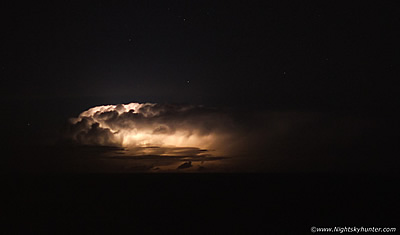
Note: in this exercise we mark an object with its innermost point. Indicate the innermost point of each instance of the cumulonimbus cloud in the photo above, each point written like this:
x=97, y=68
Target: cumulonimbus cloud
x=145, y=125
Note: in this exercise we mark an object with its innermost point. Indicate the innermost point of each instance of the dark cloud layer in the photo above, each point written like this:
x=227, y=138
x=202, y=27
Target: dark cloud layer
x=252, y=141
x=214, y=140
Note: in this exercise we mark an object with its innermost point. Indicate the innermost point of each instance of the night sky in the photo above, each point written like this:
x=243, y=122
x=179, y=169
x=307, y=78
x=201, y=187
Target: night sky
x=296, y=55
x=336, y=63
x=291, y=109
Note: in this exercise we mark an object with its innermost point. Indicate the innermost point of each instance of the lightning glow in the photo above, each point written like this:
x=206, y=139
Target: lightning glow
x=147, y=125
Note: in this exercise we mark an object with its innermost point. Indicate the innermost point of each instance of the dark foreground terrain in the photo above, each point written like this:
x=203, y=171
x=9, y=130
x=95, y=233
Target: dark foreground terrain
x=196, y=203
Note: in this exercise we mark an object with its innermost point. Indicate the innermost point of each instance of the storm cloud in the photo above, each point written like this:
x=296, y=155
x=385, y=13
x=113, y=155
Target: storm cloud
x=142, y=127
x=167, y=136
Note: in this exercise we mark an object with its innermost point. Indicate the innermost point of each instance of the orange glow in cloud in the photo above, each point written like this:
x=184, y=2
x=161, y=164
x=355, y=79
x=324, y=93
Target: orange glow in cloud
x=136, y=126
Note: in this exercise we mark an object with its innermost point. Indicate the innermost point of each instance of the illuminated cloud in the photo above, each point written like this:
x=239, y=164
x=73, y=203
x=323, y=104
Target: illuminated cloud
x=168, y=138
x=159, y=129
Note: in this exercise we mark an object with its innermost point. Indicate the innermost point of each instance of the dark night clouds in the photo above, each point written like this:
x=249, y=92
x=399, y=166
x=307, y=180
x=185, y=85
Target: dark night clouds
x=213, y=140
x=167, y=136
